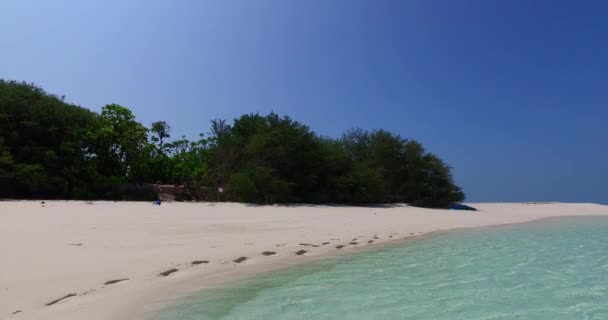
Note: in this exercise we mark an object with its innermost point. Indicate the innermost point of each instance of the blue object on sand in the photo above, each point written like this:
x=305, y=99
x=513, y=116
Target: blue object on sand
x=157, y=202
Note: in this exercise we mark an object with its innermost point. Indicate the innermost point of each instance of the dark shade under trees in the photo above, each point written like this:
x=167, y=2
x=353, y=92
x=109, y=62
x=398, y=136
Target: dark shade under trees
x=53, y=149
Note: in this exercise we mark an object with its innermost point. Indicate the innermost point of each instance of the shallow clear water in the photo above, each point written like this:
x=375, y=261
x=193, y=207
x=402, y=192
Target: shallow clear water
x=555, y=269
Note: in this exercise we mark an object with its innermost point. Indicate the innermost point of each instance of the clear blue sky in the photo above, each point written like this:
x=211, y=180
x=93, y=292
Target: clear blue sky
x=512, y=94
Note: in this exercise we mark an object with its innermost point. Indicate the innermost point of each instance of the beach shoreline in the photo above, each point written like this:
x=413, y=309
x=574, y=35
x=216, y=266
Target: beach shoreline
x=111, y=255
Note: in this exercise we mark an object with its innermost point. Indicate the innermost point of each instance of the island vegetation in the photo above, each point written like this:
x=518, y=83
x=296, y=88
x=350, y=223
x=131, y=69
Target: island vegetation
x=51, y=149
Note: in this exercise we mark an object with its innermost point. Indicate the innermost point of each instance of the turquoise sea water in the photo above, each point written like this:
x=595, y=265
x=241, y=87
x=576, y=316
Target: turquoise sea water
x=555, y=269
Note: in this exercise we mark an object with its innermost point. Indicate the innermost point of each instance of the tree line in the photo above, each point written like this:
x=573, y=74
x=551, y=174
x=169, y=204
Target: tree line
x=53, y=149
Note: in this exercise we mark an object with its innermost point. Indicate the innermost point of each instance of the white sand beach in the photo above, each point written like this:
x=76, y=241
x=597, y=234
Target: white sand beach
x=67, y=248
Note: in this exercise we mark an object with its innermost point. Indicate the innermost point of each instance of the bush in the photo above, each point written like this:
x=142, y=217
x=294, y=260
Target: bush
x=52, y=149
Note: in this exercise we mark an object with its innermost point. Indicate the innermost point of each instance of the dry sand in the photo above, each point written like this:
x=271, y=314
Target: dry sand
x=67, y=248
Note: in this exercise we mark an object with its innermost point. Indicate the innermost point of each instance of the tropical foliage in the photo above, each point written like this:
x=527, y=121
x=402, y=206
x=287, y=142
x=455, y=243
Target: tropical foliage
x=53, y=149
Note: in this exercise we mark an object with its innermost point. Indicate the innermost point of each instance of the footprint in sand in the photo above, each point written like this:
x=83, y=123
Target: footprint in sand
x=354, y=243
x=325, y=243
x=370, y=241
x=166, y=273
x=268, y=253
x=60, y=299
x=339, y=246
x=301, y=252
x=239, y=260
x=87, y=292
x=309, y=245
x=115, y=281
x=197, y=262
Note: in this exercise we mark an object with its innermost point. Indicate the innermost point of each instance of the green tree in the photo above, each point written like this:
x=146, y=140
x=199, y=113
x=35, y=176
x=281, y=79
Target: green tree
x=42, y=140
x=407, y=173
x=190, y=161
x=49, y=148
x=118, y=144
x=280, y=157
x=161, y=131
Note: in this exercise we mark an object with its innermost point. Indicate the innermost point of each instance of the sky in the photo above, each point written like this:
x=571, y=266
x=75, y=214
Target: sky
x=512, y=94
